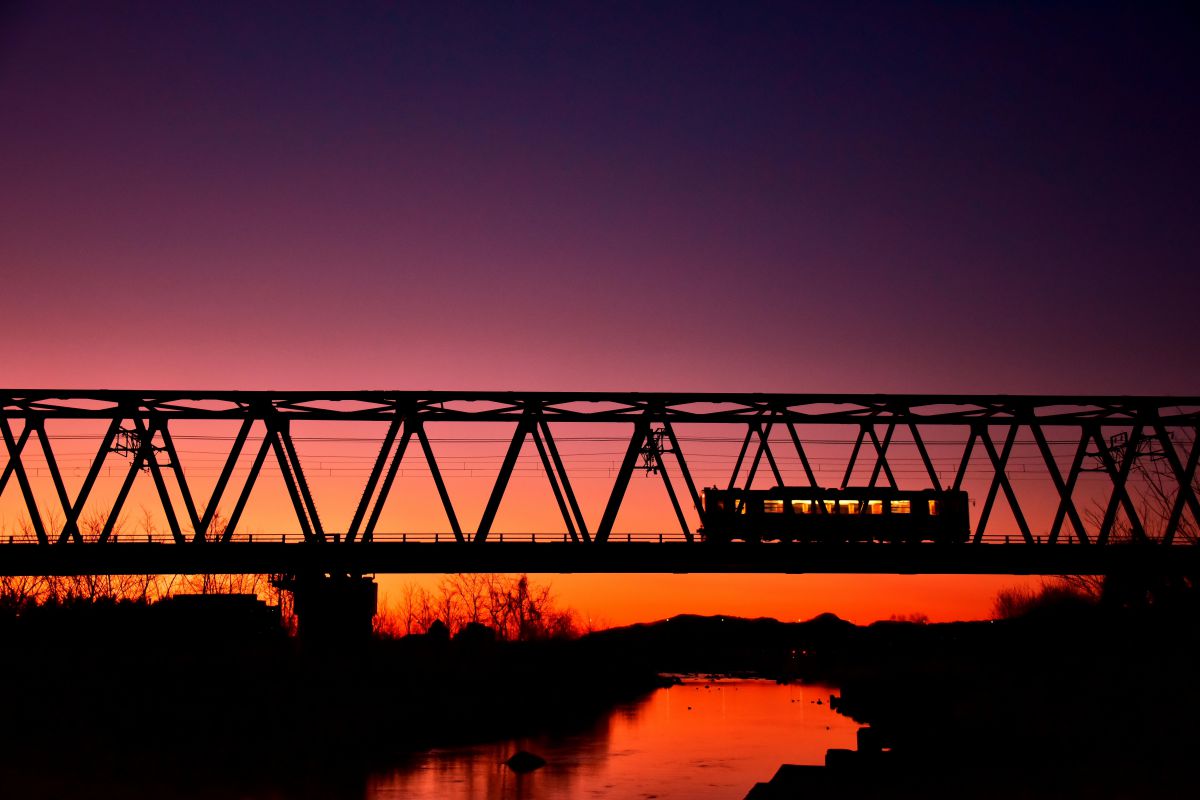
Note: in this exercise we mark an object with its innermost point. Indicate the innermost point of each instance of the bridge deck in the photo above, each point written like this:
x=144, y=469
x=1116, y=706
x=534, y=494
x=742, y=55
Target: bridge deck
x=609, y=557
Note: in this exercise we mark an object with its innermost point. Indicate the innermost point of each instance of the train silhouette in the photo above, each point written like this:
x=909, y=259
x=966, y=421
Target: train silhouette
x=835, y=516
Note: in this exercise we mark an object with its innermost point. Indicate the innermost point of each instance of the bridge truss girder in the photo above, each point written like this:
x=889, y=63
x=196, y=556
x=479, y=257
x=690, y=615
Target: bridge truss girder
x=144, y=420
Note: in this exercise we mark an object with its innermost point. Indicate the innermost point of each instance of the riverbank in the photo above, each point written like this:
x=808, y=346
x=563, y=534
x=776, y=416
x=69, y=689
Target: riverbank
x=1076, y=702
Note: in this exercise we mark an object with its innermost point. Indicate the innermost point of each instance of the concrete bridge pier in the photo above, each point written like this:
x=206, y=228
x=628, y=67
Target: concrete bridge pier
x=333, y=608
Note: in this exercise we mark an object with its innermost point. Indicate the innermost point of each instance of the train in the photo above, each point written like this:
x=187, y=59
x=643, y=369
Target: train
x=835, y=516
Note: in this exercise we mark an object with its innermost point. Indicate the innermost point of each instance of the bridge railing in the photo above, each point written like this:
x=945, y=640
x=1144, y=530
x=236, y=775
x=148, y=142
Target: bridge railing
x=447, y=537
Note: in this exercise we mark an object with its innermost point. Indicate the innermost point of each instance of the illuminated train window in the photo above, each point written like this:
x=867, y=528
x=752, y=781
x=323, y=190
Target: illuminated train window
x=772, y=506
x=803, y=507
x=901, y=507
x=831, y=506
x=848, y=506
x=874, y=507
x=933, y=508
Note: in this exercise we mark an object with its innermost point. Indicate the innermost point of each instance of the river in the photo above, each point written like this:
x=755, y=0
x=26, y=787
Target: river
x=701, y=740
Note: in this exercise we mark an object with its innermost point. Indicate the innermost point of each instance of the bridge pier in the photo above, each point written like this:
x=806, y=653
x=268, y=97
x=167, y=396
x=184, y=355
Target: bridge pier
x=332, y=609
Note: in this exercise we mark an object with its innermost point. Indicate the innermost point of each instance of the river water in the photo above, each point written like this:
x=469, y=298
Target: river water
x=699, y=740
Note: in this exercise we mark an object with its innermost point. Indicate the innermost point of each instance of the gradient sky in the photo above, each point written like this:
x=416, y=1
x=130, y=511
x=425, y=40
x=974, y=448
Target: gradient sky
x=655, y=196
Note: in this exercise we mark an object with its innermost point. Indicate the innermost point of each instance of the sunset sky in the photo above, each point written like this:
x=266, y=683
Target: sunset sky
x=859, y=197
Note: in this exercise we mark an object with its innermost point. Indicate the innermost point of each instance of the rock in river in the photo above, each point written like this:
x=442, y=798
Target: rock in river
x=524, y=761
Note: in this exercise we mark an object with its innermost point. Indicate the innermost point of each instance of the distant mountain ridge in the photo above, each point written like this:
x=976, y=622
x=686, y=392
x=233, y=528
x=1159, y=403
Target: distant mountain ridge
x=724, y=644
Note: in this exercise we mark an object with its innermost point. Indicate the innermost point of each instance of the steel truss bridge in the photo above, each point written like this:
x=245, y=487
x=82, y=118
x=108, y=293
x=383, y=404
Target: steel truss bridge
x=1144, y=450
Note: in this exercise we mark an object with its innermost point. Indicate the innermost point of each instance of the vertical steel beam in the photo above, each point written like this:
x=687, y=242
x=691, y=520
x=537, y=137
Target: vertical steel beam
x=506, y=469
x=438, y=482
x=641, y=429
x=566, y=483
x=14, y=456
x=376, y=471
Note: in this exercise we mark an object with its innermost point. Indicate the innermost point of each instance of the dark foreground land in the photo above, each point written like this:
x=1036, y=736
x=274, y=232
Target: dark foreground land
x=100, y=698
x=180, y=699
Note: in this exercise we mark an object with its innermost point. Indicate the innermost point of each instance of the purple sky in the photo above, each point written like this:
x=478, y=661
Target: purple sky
x=872, y=197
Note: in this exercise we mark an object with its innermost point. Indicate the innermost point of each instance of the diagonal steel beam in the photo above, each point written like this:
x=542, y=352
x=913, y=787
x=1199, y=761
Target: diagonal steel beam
x=1186, y=476
x=737, y=466
x=1119, y=476
x=18, y=467
x=566, y=483
x=214, y=500
x=141, y=456
x=11, y=465
x=662, y=469
x=385, y=491
x=925, y=459
x=60, y=488
x=966, y=460
x=641, y=429
x=71, y=525
x=368, y=494
x=177, y=469
x=1000, y=464
x=881, y=456
x=808, y=470
x=553, y=478
x=683, y=469
x=1000, y=481
x=1066, y=505
x=160, y=485
x=256, y=466
x=289, y=481
x=506, y=469
x=283, y=434
x=766, y=449
x=443, y=493
x=762, y=448
x=862, y=432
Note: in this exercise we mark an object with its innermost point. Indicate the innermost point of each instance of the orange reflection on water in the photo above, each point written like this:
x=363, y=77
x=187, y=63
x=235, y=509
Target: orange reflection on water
x=697, y=740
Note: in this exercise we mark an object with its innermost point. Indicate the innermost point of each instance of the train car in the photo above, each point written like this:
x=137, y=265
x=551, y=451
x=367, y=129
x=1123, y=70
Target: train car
x=855, y=514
